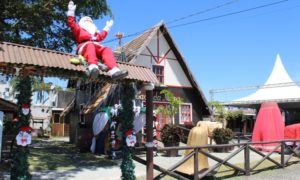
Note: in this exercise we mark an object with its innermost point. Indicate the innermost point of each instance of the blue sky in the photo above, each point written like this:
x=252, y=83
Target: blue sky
x=233, y=51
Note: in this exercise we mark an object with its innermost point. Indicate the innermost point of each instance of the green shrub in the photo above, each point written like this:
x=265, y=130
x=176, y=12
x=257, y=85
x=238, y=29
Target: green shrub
x=222, y=135
x=171, y=134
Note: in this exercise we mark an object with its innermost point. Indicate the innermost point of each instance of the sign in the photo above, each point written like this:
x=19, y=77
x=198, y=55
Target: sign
x=1, y=131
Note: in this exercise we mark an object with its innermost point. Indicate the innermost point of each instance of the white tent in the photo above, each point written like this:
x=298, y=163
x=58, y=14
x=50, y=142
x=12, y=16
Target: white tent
x=279, y=88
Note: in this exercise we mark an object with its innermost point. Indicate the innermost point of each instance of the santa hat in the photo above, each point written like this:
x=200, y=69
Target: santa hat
x=85, y=18
x=26, y=129
x=129, y=132
x=25, y=105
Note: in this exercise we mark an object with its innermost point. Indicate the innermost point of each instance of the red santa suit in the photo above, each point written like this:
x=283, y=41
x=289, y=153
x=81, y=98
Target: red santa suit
x=89, y=46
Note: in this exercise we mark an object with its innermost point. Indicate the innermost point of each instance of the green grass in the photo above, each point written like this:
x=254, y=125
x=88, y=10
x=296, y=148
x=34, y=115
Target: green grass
x=58, y=155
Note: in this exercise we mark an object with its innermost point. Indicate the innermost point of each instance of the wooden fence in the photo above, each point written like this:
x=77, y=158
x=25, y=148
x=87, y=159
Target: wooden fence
x=245, y=147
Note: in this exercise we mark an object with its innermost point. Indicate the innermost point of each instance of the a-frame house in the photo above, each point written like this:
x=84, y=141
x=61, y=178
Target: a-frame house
x=157, y=50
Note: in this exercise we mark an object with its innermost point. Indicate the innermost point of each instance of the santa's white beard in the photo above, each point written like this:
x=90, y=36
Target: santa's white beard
x=89, y=27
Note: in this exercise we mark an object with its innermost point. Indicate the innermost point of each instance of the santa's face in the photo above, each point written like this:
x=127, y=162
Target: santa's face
x=87, y=24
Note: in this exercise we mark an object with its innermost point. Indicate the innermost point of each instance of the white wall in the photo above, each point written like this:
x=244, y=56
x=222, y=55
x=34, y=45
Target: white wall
x=173, y=73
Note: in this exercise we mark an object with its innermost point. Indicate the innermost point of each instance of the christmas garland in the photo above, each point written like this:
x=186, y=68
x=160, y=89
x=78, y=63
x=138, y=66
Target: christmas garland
x=127, y=116
x=19, y=165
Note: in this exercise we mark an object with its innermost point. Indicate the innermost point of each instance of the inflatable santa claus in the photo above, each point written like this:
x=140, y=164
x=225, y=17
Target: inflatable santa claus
x=88, y=39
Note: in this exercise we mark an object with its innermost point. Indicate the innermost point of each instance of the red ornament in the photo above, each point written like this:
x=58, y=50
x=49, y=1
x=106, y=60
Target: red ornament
x=15, y=119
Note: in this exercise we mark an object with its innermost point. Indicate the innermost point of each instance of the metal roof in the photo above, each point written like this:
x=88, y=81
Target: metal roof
x=45, y=62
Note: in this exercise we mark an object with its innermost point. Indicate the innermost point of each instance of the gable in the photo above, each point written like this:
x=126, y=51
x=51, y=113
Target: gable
x=159, y=52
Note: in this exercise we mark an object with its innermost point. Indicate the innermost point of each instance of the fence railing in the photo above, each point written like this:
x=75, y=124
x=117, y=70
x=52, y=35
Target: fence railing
x=245, y=147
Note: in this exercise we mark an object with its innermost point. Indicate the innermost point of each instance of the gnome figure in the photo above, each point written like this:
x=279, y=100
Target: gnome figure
x=88, y=39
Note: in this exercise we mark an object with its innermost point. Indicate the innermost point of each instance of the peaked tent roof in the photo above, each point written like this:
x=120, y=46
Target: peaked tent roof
x=279, y=88
x=133, y=48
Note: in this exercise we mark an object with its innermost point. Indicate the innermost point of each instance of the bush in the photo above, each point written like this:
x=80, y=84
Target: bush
x=222, y=135
x=171, y=134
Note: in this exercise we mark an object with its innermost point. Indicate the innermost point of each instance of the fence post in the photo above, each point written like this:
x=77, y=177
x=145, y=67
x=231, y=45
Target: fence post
x=196, y=163
x=247, y=160
x=282, y=154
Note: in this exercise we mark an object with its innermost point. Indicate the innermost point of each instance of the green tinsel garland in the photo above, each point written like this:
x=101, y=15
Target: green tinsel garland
x=127, y=116
x=19, y=166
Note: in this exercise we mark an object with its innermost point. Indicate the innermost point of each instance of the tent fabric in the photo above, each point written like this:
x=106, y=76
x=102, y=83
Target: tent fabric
x=198, y=136
x=292, y=132
x=269, y=126
x=279, y=87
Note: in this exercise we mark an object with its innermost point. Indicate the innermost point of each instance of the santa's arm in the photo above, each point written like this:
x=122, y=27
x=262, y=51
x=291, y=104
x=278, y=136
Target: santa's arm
x=73, y=25
x=102, y=35
x=71, y=18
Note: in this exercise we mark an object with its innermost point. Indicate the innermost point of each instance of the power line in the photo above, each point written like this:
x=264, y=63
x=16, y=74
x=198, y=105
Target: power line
x=206, y=19
x=202, y=12
x=229, y=14
x=178, y=19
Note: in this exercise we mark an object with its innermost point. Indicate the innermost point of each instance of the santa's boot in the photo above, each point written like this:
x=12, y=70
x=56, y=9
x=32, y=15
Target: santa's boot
x=93, y=71
x=116, y=73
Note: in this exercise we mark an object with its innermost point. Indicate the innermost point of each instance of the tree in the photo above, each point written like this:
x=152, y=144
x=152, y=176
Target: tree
x=42, y=23
x=172, y=109
x=218, y=110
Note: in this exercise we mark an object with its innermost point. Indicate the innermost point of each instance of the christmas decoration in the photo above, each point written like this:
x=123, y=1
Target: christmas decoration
x=130, y=138
x=127, y=116
x=23, y=138
x=113, y=137
x=99, y=123
x=25, y=109
x=88, y=37
x=19, y=163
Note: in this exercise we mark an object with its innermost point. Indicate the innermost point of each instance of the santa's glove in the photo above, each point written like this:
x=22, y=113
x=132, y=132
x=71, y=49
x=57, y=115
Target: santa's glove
x=71, y=9
x=108, y=25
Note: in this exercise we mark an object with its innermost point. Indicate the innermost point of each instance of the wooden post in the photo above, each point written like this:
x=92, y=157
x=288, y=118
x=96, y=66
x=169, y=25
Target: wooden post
x=196, y=164
x=282, y=154
x=149, y=130
x=1, y=132
x=244, y=124
x=247, y=160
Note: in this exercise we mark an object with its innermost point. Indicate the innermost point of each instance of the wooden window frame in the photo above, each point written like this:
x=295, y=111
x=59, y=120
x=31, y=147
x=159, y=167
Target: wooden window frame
x=160, y=77
x=190, y=113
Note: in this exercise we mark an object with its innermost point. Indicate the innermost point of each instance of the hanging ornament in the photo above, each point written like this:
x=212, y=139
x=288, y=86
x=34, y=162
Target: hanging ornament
x=113, y=128
x=25, y=109
x=24, y=137
x=130, y=138
x=15, y=119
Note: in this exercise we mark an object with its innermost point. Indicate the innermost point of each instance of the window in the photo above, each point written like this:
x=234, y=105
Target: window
x=159, y=72
x=56, y=118
x=185, y=113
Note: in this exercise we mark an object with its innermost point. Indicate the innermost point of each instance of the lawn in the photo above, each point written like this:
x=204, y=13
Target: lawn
x=60, y=155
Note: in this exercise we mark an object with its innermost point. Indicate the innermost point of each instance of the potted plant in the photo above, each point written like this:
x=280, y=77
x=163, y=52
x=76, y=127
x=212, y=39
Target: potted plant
x=171, y=135
x=222, y=136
